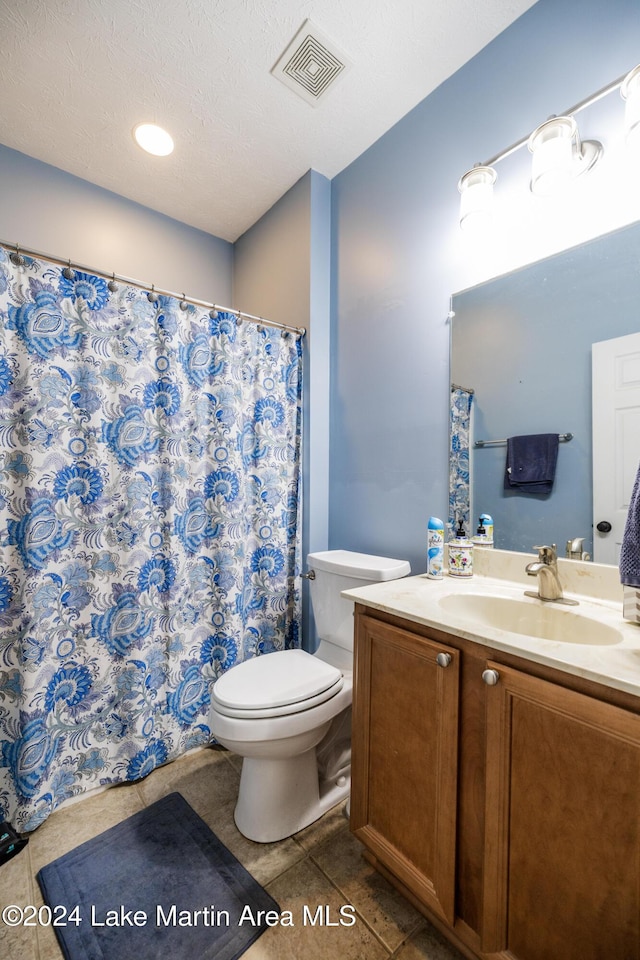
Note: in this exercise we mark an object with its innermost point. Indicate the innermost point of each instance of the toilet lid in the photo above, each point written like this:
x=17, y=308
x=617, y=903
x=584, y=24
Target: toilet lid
x=276, y=683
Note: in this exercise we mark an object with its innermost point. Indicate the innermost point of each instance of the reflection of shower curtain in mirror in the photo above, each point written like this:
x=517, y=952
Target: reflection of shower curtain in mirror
x=149, y=523
x=459, y=459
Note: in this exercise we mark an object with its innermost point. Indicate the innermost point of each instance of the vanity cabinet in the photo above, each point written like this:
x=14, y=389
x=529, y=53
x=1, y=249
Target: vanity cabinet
x=562, y=823
x=502, y=797
x=405, y=758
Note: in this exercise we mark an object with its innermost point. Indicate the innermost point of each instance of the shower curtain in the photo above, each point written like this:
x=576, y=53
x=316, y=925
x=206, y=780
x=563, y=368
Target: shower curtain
x=150, y=503
x=459, y=465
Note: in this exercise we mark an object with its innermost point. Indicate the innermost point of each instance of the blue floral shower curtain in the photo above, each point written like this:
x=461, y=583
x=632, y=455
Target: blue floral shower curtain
x=459, y=480
x=149, y=513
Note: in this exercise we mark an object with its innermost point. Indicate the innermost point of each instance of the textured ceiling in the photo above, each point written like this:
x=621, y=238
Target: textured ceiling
x=77, y=75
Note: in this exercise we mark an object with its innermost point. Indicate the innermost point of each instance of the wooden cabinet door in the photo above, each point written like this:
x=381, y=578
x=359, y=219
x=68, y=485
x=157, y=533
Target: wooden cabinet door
x=562, y=850
x=405, y=758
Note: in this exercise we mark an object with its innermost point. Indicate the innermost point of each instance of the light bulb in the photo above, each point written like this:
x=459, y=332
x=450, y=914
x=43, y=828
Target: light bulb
x=476, y=197
x=552, y=163
x=630, y=93
x=153, y=139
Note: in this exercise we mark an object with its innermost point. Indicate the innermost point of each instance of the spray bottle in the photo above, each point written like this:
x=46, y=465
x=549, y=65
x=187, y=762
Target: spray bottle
x=435, y=548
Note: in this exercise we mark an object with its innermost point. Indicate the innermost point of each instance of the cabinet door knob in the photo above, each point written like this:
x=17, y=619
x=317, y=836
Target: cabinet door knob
x=443, y=659
x=491, y=677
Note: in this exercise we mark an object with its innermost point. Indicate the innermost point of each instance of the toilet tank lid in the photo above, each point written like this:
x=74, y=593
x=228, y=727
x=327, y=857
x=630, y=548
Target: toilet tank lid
x=362, y=566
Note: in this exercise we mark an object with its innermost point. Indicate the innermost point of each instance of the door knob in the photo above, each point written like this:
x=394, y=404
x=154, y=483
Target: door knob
x=604, y=526
x=443, y=659
x=491, y=677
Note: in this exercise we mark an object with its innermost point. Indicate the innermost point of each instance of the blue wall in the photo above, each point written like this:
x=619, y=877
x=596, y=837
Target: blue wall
x=399, y=255
x=282, y=269
x=64, y=216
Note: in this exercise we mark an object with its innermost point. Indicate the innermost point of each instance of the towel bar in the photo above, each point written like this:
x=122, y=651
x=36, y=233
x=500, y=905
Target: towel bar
x=562, y=437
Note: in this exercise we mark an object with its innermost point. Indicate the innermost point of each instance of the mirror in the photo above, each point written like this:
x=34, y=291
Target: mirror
x=522, y=342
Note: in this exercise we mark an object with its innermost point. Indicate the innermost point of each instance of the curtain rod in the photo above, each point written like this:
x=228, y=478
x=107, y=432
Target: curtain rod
x=18, y=248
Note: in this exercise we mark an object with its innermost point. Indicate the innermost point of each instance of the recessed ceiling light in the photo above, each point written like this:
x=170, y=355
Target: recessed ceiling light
x=153, y=139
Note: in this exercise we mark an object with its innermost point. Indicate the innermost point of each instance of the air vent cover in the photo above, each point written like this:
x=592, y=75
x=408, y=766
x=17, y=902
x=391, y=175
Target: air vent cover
x=311, y=63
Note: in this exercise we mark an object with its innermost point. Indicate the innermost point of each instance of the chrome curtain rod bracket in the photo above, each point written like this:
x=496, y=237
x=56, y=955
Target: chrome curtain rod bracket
x=457, y=386
x=17, y=258
x=562, y=437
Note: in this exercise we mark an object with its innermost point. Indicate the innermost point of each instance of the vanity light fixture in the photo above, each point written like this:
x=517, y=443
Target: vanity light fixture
x=153, y=139
x=476, y=196
x=630, y=93
x=558, y=153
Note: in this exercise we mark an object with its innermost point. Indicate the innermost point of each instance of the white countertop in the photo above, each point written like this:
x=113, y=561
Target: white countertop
x=502, y=574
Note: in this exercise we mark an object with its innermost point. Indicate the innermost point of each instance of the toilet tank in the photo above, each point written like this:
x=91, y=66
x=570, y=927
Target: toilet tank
x=337, y=570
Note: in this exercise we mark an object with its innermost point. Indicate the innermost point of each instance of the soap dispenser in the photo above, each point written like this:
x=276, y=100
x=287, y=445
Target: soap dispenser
x=460, y=552
x=481, y=538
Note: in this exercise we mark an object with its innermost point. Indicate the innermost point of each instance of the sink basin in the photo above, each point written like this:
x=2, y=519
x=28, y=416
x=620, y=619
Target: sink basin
x=531, y=618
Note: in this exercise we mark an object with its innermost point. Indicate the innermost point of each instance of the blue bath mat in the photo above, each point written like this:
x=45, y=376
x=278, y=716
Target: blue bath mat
x=158, y=885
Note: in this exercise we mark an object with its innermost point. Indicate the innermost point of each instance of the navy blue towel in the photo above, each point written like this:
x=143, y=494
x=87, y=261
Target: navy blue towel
x=531, y=463
x=630, y=549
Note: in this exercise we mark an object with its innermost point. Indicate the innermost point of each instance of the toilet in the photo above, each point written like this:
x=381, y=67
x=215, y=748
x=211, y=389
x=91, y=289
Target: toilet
x=288, y=713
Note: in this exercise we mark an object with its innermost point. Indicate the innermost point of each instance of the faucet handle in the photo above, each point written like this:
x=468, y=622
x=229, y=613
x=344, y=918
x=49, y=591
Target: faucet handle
x=547, y=554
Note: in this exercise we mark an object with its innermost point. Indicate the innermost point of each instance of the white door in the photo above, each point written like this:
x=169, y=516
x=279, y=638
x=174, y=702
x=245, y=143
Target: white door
x=616, y=439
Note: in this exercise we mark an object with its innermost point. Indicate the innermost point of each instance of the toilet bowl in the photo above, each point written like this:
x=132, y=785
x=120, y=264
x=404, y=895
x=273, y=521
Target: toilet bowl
x=288, y=713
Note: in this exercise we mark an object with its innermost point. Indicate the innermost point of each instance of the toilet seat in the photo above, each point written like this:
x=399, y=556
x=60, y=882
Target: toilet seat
x=276, y=684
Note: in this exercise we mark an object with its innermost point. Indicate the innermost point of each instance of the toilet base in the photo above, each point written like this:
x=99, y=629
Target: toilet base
x=277, y=798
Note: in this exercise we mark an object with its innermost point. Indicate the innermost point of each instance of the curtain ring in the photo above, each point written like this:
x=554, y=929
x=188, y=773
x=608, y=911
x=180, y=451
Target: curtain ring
x=113, y=286
x=67, y=273
x=213, y=314
x=152, y=296
x=183, y=303
x=16, y=257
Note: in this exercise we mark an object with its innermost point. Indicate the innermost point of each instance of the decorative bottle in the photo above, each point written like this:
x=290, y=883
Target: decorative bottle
x=460, y=552
x=435, y=548
x=487, y=523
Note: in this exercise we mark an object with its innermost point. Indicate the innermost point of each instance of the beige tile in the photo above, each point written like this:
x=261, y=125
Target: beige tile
x=234, y=760
x=50, y=950
x=204, y=778
x=428, y=944
x=306, y=886
x=333, y=822
x=385, y=909
x=17, y=943
x=321, y=865
x=48, y=946
x=209, y=783
x=265, y=861
x=67, y=828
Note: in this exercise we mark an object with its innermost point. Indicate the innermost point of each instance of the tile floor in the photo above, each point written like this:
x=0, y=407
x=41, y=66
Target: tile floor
x=322, y=864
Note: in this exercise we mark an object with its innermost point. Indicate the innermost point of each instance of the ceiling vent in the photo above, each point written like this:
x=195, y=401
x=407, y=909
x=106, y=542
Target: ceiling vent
x=311, y=64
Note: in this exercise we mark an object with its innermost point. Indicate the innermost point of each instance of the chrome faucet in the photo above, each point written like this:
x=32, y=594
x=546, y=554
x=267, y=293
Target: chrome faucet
x=545, y=568
x=575, y=549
